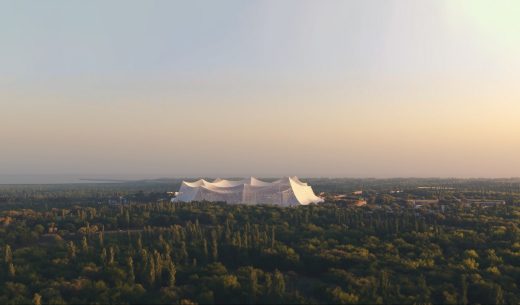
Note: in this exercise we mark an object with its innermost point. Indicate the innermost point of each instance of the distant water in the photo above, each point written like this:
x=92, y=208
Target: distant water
x=66, y=179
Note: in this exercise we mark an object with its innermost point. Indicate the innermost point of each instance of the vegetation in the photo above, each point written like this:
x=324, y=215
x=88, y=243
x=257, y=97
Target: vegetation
x=82, y=250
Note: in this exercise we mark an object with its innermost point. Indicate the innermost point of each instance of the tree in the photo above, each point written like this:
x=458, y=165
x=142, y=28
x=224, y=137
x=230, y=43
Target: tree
x=158, y=263
x=206, y=297
x=139, y=242
x=71, y=250
x=464, y=292
x=227, y=232
x=214, y=245
x=37, y=299
x=273, y=236
x=101, y=238
x=127, y=218
x=470, y=264
x=384, y=283
x=205, y=249
x=278, y=285
x=424, y=291
x=150, y=272
x=471, y=254
x=8, y=257
x=111, y=255
x=449, y=298
x=172, y=271
x=11, y=269
x=131, y=273
x=499, y=295
x=268, y=287
x=339, y=296
x=253, y=286
x=184, y=253
x=103, y=256
x=84, y=245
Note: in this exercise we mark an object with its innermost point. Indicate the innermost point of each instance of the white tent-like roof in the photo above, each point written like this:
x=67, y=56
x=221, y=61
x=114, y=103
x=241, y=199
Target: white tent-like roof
x=287, y=191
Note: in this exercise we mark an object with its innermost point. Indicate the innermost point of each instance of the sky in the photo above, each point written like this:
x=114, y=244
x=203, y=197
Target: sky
x=268, y=88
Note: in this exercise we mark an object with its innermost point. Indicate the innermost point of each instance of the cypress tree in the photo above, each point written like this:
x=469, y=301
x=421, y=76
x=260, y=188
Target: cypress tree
x=384, y=283
x=227, y=232
x=256, y=237
x=253, y=286
x=158, y=263
x=111, y=255
x=278, y=285
x=139, y=242
x=150, y=273
x=84, y=244
x=37, y=299
x=71, y=250
x=184, y=253
x=273, y=236
x=101, y=239
x=172, y=271
x=268, y=288
x=8, y=256
x=424, y=291
x=131, y=273
x=205, y=248
x=499, y=295
x=103, y=256
x=239, y=240
x=464, y=293
x=214, y=246
x=11, y=270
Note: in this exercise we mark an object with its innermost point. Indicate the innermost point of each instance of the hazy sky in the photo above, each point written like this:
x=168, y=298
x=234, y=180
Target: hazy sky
x=268, y=88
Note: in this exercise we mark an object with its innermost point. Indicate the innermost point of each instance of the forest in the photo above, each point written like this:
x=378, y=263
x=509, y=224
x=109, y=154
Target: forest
x=69, y=245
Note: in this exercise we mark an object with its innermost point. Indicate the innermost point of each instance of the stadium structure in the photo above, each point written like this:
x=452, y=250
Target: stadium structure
x=288, y=191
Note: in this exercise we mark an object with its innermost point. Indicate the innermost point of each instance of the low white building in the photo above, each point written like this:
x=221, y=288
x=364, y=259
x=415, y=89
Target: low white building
x=287, y=191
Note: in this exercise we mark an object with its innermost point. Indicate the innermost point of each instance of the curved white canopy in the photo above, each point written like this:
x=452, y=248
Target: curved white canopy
x=287, y=191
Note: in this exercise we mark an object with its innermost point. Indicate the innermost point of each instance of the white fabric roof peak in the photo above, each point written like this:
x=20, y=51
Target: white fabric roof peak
x=287, y=191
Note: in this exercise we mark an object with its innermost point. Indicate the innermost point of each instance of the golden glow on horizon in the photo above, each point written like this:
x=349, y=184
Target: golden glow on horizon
x=368, y=138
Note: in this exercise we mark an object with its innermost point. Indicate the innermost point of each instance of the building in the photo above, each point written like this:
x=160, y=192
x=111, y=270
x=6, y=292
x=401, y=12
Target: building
x=348, y=200
x=289, y=191
x=418, y=203
x=360, y=202
x=485, y=203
